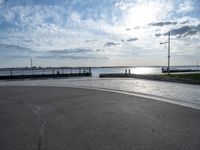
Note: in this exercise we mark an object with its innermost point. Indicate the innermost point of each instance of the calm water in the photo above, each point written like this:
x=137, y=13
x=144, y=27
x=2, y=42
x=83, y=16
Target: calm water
x=95, y=71
x=134, y=70
x=137, y=70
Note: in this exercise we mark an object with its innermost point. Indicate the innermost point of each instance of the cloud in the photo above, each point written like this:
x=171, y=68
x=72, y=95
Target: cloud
x=184, y=22
x=76, y=53
x=32, y=16
x=82, y=57
x=189, y=33
x=72, y=57
x=180, y=31
x=62, y=57
x=14, y=48
x=75, y=16
x=88, y=41
x=129, y=40
x=185, y=7
x=15, y=51
x=132, y=39
x=163, y=24
x=45, y=57
x=109, y=44
x=185, y=31
x=99, y=50
x=18, y=56
x=136, y=28
x=68, y=51
x=158, y=34
x=83, y=29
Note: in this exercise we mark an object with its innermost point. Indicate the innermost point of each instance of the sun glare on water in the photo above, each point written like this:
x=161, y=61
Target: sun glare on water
x=144, y=70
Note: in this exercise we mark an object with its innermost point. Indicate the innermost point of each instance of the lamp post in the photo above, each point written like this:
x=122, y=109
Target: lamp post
x=31, y=63
x=32, y=66
x=168, y=42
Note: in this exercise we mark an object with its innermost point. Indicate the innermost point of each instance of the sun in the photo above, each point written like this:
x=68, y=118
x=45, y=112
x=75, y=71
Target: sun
x=142, y=14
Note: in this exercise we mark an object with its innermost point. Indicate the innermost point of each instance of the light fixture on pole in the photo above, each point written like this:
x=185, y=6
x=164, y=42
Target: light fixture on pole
x=168, y=41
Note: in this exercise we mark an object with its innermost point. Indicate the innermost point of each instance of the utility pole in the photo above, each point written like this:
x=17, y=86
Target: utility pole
x=197, y=65
x=168, y=42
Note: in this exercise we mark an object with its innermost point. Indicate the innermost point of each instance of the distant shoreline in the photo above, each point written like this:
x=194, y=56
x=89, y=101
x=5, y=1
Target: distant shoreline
x=68, y=67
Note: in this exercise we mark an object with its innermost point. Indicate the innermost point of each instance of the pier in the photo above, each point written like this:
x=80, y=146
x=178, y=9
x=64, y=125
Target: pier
x=176, y=70
x=49, y=72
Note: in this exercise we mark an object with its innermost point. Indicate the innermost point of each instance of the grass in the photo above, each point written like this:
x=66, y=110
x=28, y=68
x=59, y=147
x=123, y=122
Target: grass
x=187, y=76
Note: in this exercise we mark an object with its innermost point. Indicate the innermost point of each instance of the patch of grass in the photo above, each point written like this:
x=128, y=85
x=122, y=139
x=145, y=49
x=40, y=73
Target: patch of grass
x=190, y=76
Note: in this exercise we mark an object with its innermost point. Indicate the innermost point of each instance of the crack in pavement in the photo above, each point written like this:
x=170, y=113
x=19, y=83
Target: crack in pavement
x=35, y=111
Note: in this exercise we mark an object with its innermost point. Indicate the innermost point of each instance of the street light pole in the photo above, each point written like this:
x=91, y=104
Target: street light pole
x=31, y=63
x=168, y=41
x=168, y=69
x=32, y=66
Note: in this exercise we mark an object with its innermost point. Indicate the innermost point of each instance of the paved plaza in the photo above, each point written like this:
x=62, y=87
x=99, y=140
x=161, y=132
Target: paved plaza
x=184, y=94
x=56, y=118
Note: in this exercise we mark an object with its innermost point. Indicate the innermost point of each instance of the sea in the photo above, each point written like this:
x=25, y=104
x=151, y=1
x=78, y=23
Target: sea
x=95, y=70
x=138, y=70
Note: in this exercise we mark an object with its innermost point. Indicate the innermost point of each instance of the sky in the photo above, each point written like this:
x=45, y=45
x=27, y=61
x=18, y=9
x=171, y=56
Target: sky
x=98, y=32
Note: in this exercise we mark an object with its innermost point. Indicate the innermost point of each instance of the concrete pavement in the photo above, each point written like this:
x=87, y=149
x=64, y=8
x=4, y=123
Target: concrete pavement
x=53, y=118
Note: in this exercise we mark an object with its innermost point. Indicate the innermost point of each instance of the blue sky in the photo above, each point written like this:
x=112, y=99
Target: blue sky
x=98, y=32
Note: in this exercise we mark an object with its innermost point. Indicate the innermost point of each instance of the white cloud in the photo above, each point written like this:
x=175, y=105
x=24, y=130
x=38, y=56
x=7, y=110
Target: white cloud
x=185, y=7
x=44, y=28
x=74, y=16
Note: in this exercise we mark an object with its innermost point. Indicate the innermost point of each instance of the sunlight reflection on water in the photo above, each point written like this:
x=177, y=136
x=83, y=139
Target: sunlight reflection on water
x=133, y=70
x=145, y=70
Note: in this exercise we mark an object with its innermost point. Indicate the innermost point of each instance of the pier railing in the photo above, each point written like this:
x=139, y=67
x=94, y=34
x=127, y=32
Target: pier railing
x=15, y=73
x=179, y=70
